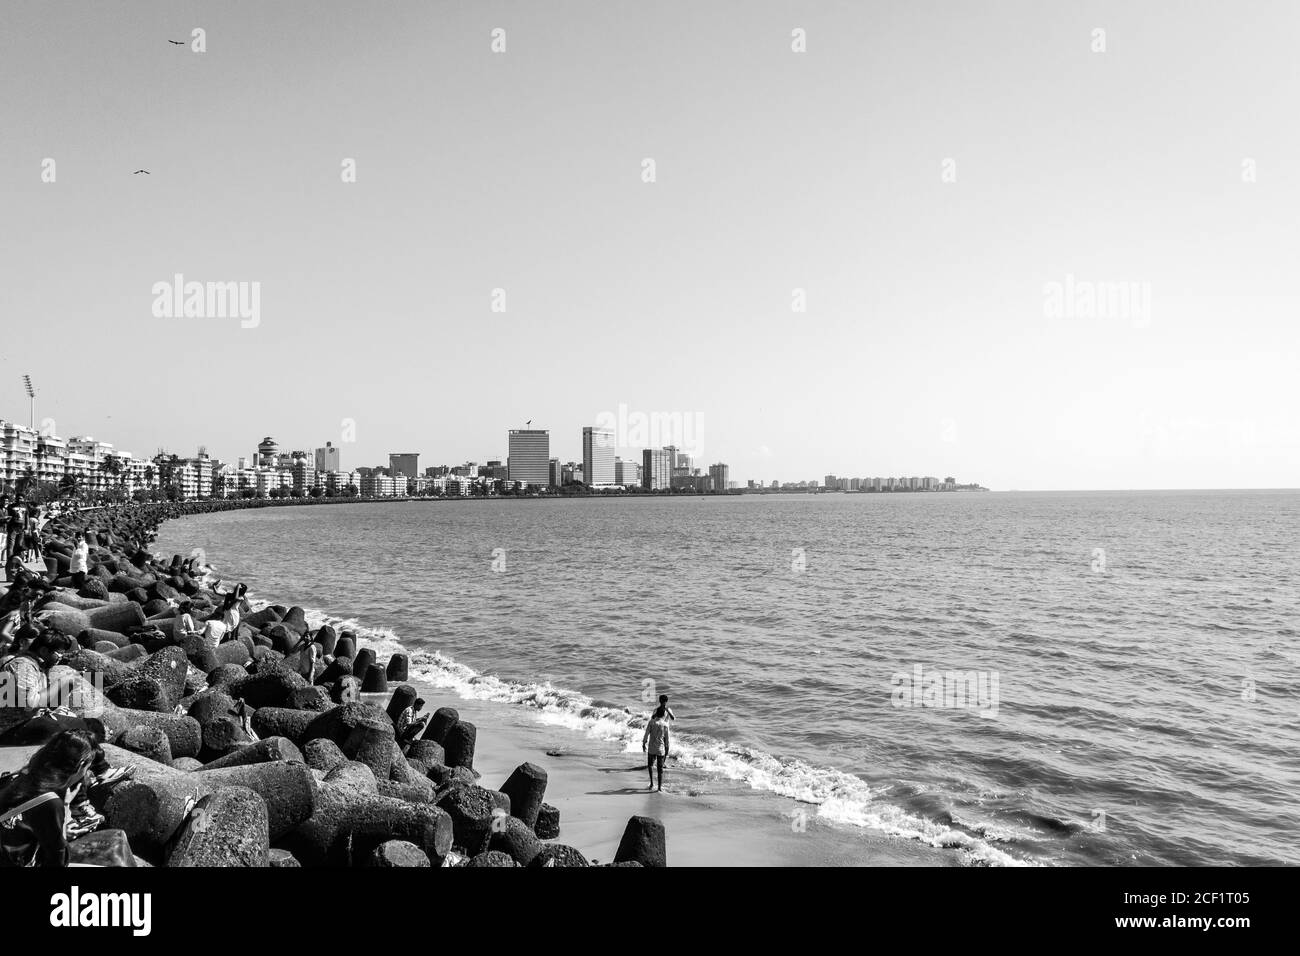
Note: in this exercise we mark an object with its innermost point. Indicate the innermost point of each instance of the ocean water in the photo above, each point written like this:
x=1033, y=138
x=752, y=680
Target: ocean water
x=1117, y=671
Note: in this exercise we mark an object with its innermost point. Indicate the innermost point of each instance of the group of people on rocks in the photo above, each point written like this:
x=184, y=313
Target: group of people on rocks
x=51, y=801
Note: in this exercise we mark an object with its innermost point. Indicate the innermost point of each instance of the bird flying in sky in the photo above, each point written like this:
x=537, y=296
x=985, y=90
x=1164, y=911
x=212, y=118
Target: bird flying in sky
x=139, y=171
x=177, y=42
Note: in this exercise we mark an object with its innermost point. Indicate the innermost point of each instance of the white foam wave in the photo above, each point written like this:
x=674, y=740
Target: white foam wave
x=840, y=798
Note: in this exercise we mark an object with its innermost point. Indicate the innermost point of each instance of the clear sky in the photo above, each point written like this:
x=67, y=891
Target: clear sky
x=928, y=345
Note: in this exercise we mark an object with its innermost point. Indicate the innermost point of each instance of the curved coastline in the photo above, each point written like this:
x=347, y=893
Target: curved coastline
x=167, y=724
x=836, y=798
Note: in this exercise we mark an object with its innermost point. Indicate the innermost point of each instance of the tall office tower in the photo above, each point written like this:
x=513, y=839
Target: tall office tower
x=530, y=456
x=555, y=472
x=656, y=470
x=327, y=458
x=406, y=463
x=672, y=456
x=719, y=476
x=598, y=456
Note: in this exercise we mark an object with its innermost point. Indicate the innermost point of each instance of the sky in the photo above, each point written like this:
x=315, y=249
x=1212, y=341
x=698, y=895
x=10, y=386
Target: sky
x=946, y=188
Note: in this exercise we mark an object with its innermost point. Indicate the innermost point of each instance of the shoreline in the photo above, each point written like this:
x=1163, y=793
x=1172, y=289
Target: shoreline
x=303, y=770
x=732, y=821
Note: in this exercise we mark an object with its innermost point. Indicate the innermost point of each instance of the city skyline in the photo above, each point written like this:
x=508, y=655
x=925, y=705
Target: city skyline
x=830, y=261
x=661, y=468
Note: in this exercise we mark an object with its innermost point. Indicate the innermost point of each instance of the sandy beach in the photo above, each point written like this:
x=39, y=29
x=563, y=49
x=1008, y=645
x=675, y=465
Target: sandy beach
x=710, y=821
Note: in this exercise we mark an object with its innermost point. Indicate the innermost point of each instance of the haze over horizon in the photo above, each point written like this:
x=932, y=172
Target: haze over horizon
x=928, y=345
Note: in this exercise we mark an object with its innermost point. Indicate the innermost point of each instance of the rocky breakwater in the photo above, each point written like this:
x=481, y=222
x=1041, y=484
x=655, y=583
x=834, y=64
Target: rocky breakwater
x=259, y=749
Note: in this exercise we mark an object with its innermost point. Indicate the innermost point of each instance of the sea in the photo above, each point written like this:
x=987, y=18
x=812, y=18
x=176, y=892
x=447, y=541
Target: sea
x=1023, y=678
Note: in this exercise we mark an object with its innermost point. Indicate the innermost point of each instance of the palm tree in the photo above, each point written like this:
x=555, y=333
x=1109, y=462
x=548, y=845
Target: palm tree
x=112, y=466
x=69, y=486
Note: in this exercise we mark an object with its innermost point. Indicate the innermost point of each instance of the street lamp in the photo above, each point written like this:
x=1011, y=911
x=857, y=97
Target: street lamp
x=31, y=397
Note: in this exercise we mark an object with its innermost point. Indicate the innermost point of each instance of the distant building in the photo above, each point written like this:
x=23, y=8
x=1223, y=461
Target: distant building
x=719, y=478
x=656, y=469
x=267, y=453
x=829, y=482
x=529, y=460
x=304, y=476
x=406, y=463
x=555, y=473
x=626, y=473
x=598, y=457
x=327, y=458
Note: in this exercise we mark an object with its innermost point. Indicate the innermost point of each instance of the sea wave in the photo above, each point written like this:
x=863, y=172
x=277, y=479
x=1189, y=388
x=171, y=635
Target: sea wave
x=839, y=798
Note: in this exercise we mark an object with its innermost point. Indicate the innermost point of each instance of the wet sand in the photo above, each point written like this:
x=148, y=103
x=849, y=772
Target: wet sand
x=709, y=821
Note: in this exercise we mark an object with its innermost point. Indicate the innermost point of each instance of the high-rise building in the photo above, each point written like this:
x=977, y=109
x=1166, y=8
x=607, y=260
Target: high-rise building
x=718, y=477
x=626, y=473
x=406, y=463
x=830, y=482
x=327, y=458
x=267, y=452
x=598, y=456
x=529, y=462
x=303, y=475
x=656, y=469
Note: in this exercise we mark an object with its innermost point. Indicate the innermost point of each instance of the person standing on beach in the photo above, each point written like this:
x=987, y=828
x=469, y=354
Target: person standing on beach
x=663, y=703
x=655, y=742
